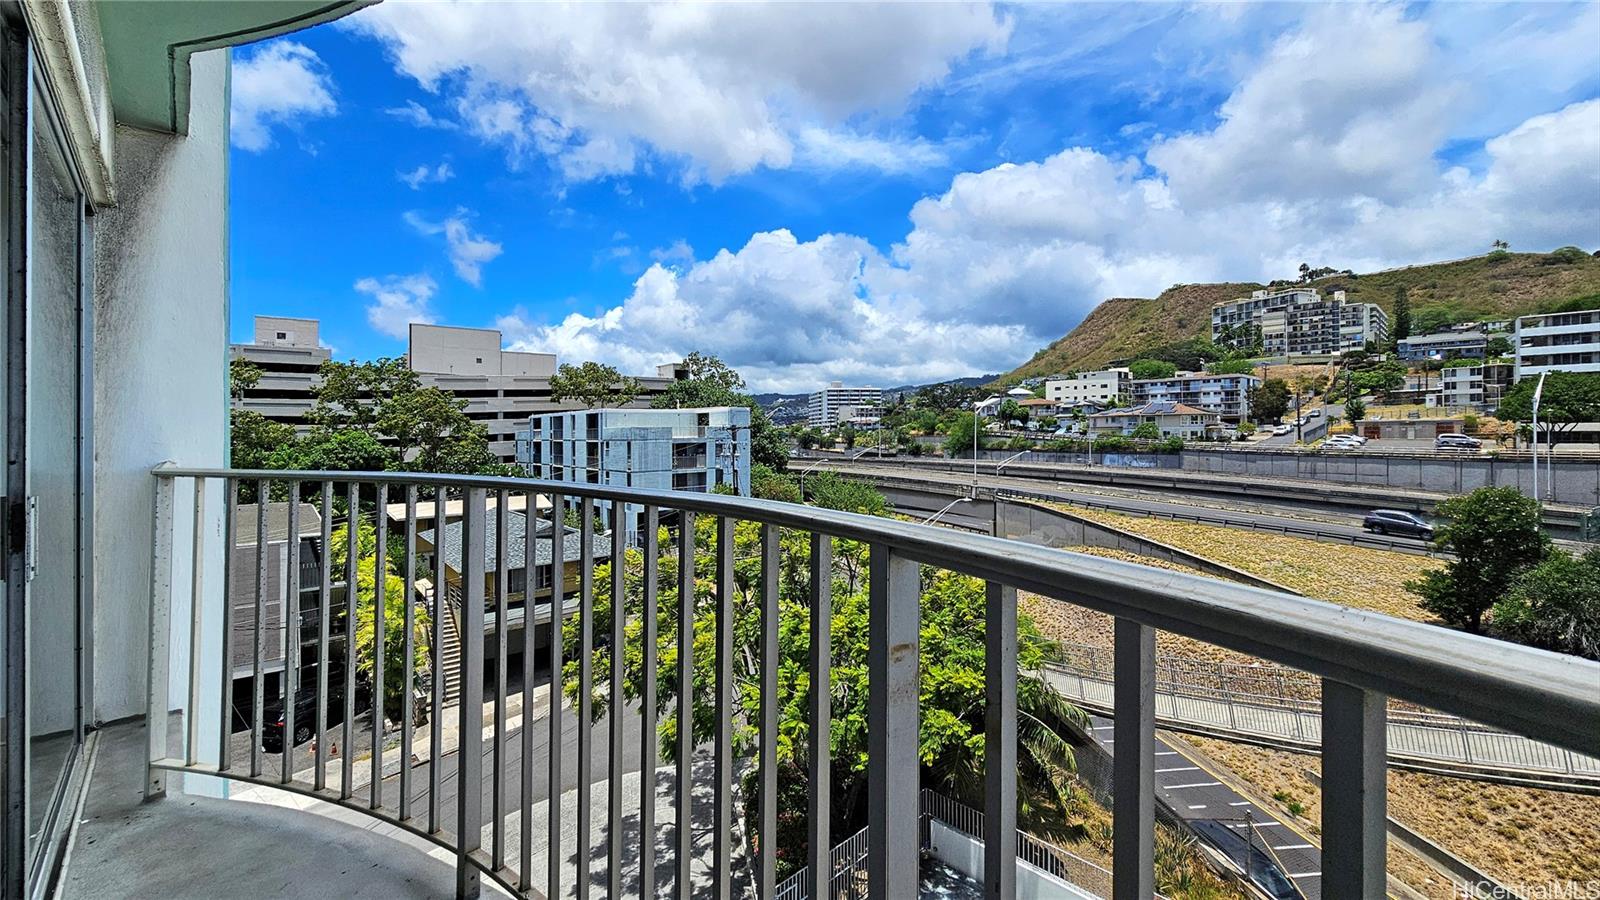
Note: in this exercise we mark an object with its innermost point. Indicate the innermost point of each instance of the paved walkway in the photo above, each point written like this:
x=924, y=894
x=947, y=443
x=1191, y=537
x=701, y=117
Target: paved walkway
x=1467, y=750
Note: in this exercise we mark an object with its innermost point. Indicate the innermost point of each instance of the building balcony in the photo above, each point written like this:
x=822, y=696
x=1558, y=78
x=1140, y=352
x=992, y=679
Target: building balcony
x=459, y=800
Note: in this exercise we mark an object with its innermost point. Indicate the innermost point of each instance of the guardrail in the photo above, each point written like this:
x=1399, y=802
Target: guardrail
x=1360, y=657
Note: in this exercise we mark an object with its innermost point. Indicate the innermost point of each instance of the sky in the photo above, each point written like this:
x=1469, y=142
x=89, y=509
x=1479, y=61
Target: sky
x=880, y=194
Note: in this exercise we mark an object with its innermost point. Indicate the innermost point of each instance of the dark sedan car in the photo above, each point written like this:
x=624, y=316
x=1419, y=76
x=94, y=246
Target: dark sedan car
x=1394, y=521
x=305, y=714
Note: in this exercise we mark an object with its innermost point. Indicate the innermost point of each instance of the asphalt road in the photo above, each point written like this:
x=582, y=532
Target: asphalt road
x=1338, y=525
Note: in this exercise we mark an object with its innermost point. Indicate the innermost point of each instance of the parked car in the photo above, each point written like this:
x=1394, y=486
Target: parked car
x=1282, y=429
x=305, y=713
x=1456, y=442
x=1315, y=413
x=1341, y=442
x=1394, y=521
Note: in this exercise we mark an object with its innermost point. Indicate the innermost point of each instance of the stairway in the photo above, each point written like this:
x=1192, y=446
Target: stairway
x=450, y=652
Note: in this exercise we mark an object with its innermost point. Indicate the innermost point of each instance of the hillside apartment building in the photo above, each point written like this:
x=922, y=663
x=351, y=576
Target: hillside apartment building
x=1566, y=342
x=1302, y=324
x=1100, y=388
x=502, y=387
x=824, y=407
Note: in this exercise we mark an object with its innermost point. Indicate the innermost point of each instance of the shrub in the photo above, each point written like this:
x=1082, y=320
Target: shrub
x=1172, y=444
x=1563, y=256
x=1019, y=443
x=1111, y=442
x=1147, y=431
x=1247, y=428
x=1469, y=423
x=1151, y=368
x=1555, y=605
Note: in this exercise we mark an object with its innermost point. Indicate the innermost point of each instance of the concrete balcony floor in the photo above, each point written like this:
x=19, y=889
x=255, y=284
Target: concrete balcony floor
x=187, y=846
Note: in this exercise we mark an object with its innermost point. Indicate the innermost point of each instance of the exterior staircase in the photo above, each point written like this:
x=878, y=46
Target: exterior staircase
x=450, y=653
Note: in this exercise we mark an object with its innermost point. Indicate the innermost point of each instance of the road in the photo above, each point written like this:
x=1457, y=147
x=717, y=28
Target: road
x=1256, y=515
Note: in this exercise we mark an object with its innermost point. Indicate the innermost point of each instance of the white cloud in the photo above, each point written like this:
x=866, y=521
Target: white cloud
x=417, y=114
x=468, y=251
x=678, y=252
x=398, y=301
x=281, y=83
x=1327, y=151
x=719, y=89
x=425, y=174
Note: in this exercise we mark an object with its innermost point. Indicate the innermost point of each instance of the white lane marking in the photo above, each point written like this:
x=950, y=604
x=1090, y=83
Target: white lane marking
x=1179, y=787
x=1166, y=753
x=1198, y=806
x=1179, y=769
x=1259, y=825
x=1240, y=803
x=1306, y=875
x=1293, y=847
x=1104, y=727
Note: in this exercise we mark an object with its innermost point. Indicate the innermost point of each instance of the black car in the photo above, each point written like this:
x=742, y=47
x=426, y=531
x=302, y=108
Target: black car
x=1394, y=521
x=305, y=714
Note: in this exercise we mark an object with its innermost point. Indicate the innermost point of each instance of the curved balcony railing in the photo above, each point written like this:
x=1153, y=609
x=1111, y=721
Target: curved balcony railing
x=1361, y=658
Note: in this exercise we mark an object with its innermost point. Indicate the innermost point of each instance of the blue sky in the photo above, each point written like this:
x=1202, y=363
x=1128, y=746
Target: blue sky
x=880, y=194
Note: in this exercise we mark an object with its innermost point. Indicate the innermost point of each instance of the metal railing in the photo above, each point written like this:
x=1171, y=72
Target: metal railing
x=1361, y=658
x=1284, y=705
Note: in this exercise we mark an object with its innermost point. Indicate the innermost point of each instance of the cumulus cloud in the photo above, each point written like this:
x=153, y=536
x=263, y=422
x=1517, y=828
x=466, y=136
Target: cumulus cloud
x=721, y=89
x=425, y=174
x=1007, y=259
x=468, y=250
x=282, y=83
x=416, y=114
x=398, y=301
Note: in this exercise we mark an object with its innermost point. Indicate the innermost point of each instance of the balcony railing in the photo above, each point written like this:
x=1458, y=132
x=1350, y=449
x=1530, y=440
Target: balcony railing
x=1360, y=658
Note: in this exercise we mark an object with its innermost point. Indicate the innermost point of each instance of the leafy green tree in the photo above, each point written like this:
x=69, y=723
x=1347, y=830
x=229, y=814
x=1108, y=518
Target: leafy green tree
x=951, y=697
x=1497, y=347
x=710, y=382
x=353, y=394
x=394, y=611
x=1495, y=534
x=962, y=434
x=1400, y=322
x=1269, y=400
x=1555, y=605
x=1235, y=366
x=766, y=484
x=329, y=450
x=1152, y=368
x=1355, y=410
x=253, y=439
x=832, y=491
x=593, y=384
x=1147, y=431
x=1012, y=411
x=243, y=375
x=1569, y=399
x=847, y=436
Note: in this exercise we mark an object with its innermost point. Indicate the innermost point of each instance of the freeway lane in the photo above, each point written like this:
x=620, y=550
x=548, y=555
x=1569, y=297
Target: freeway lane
x=1332, y=526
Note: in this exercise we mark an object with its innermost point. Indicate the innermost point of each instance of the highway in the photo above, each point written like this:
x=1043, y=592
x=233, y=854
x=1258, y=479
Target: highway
x=1270, y=516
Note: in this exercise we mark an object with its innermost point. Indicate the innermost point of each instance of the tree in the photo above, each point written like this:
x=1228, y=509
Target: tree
x=1147, y=431
x=1555, y=605
x=1012, y=411
x=962, y=435
x=1496, y=347
x=1355, y=410
x=254, y=438
x=1269, y=400
x=328, y=450
x=593, y=384
x=1400, y=324
x=1495, y=534
x=1151, y=368
x=394, y=611
x=1501, y=245
x=242, y=376
x=710, y=382
x=1569, y=399
x=952, y=684
x=766, y=484
x=1236, y=366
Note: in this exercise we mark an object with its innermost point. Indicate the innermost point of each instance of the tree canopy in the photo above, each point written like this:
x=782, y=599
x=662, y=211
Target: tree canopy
x=711, y=382
x=1495, y=533
x=1152, y=368
x=1569, y=399
x=1268, y=400
x=593, y=384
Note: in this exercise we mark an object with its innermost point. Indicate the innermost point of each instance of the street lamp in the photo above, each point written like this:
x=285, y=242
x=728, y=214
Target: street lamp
x=819, y=462
x=1538, y=391
x=1002, y=463
x=946, y=508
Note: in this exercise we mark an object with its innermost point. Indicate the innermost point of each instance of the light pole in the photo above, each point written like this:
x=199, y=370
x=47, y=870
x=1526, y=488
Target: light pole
x=1538, y=391
x=1002, y=463
x=820, y=462
x=946, y=508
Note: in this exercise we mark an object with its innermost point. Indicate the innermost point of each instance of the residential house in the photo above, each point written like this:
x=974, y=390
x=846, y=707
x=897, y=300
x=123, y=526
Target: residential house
x=1172, y=418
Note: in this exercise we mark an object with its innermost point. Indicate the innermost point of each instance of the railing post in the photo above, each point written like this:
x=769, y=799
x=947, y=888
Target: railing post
x=1000, y=743
x=722, y=743
x=819, y=845
x=155, y=722
x=469, y=750
x=766, y=864
x=1133, y=762
x=893, y=685
x=1354, y=795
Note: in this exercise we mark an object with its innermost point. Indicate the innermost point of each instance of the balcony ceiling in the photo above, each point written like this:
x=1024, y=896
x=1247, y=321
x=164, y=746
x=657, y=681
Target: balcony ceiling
x=148, y=44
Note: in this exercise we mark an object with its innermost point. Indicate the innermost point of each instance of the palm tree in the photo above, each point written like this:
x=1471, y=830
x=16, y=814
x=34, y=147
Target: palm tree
x=1501, y=245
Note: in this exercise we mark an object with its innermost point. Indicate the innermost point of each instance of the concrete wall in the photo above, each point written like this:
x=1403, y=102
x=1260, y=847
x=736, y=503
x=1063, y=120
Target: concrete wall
x=965, y=855
x=160, y=359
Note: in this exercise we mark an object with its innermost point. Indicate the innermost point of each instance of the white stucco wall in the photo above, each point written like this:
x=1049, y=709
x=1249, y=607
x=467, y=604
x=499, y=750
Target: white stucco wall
x=160, y=359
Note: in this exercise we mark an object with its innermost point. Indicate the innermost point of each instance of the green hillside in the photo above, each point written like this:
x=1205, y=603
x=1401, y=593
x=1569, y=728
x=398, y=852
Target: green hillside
x=1494, y=286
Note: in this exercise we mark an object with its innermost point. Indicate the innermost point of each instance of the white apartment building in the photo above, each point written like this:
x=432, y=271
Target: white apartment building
x=1226, y=395
x=1442, y=345
x=1476, y=385
x=1300, y=323
x=502, y=387
x=1101, y=388
x=823, y=409
x=1565, y=342
x=656, y=449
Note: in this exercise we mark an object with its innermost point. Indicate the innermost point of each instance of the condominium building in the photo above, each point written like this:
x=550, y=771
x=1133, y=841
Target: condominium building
x=1566, y=342
x=1443, y=345
x=502, y=387
x=1300, y=323
x=1100, y=388
x=1475, y=384
x=652, y=449
x=823, y=409
x=1226, y=395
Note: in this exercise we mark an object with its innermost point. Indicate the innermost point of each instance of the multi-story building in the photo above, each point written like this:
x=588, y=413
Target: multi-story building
x=1100, y=388
x=653, y=449
x=1300, y=323
x=1566, y=342
x=1443, y=345
x=502, y=387
x=1226, y=395
x=1474, y=384
x=823, y=409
